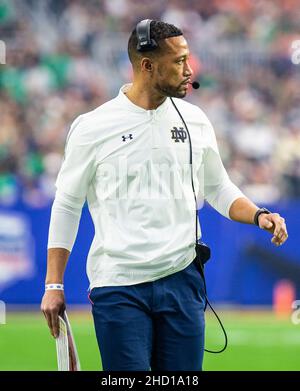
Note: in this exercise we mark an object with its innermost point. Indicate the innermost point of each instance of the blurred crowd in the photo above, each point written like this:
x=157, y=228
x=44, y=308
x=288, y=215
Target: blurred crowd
x=66, y=57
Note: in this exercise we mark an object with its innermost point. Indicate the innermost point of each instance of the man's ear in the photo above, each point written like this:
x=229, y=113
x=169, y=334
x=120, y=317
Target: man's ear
x=147, y=64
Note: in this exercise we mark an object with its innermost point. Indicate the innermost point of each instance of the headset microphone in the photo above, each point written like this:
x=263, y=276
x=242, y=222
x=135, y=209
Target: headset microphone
x=195, y=85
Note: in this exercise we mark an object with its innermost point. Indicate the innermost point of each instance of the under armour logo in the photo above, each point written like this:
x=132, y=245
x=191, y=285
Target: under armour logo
x=178, y=134
x=130, y=137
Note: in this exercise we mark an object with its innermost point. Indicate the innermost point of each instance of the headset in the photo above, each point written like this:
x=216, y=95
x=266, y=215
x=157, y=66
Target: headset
x=143, y=33
x=146, y=43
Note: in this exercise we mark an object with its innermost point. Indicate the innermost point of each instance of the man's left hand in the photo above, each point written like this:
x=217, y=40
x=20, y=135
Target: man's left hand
x=275, y=224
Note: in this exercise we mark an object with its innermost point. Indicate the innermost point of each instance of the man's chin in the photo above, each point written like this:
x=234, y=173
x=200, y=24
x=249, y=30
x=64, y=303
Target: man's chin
x=180, y=94
x=174, y=93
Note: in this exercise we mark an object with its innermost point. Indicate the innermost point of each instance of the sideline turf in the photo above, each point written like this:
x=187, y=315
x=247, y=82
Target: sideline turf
x=257, y=341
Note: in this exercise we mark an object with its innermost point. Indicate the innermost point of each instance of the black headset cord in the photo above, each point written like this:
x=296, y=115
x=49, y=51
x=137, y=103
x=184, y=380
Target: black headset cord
x=202, y=268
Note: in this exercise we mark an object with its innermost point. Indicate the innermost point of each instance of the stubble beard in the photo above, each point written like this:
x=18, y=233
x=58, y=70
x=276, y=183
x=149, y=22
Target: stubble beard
x=171, y=91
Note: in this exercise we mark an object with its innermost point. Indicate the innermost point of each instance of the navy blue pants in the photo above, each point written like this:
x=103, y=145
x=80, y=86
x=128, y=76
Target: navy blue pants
x=155, y=325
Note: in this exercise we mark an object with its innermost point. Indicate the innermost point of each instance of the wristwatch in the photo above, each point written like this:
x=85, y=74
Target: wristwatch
x=258, y=213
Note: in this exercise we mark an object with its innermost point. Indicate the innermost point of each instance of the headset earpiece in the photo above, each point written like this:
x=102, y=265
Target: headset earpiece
x=145, y=43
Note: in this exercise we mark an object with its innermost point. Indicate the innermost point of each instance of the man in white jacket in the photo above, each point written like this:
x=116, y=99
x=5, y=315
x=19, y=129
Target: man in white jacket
x=130, y=159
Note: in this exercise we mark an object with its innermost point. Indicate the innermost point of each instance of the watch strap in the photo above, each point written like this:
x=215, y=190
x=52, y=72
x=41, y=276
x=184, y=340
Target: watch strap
x=258, y=213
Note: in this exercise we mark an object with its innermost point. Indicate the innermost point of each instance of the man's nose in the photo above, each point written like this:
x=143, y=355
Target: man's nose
x=188, y=70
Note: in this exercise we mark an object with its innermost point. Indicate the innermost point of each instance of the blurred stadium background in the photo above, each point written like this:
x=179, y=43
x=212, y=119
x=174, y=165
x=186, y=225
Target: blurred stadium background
x=66, y=57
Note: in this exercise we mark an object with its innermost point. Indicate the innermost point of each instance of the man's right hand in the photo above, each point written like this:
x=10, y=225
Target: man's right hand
x=53, y=304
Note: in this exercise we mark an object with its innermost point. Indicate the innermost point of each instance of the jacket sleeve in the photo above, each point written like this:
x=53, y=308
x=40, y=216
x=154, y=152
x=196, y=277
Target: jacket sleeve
x=219, y=191
x=73, y=181
x=79, y=164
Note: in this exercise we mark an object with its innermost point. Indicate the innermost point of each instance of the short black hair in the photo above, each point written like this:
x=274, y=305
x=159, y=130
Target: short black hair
x=158, y=31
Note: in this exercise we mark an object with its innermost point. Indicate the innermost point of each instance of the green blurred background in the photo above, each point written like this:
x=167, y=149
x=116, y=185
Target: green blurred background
x=257, y=341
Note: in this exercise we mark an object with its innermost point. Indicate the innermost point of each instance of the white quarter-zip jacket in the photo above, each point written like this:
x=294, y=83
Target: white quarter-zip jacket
x=132, y=167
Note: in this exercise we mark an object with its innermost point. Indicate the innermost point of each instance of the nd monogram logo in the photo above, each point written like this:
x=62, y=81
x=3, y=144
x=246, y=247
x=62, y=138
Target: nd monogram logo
x=178, y=134
x=129, y=137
